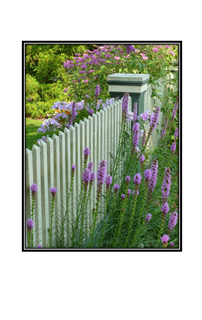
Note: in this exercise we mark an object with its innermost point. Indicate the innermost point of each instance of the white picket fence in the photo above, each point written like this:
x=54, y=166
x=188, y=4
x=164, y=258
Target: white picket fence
x=49, y=165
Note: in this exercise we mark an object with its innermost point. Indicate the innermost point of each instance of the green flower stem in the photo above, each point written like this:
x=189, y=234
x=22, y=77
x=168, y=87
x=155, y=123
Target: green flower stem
x=82, y=215
x=131, y=219
x=161, y=229
x=29, y=234
x=68, y=198
x=124, y=205
x=104, y=219
x=52, y=214
x=95, y=213
x=141, y=212
x=32, y=217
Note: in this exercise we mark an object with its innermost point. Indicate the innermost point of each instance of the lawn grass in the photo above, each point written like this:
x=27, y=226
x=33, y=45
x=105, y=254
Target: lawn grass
x=32, y=136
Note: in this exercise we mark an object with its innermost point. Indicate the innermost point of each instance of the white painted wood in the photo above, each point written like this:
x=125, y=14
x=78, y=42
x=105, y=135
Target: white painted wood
x=50, y=171
x=63, y=175
x=68, y=180
x=44, y=191
x=37, y=230
x=73, y=161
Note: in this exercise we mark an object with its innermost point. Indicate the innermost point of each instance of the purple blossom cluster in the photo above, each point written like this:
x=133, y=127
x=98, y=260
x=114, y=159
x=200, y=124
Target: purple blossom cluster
x=53, y=191
x=154, y=171
x=165, y=240
x=101, y=175
x=165, y=208
x=173, y=221
x=30, y=224
x=125, y=101
x=164, y=128
x=86, y=177
x=148, y=217
x=173, y=147
x=135, y=112
x=166, y=185
x=135, y=135
x=33, y=189
x=147, y=175
x=174, y=110
x=137, y=179
x=154, y=118
x=146, y=116
x=90, y=166
x=116, y=188
x=108, y=181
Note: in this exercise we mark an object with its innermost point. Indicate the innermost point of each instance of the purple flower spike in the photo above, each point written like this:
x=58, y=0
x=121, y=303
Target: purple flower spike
x=173, y=221
x=92, y=177
x=39, y=246
x=91, y=112
x=86, y=176
x=174, y=110
x=142, y=158
x=29, y=99
x=155, y=118
x=30, y=224
x=137, y=179
x=147, y=174
x=148, y=217
x=125, y=105
x=73, y=168
x=173, y=147
x=135, y=135
x=129, y=48
x=108, y=180
x=166, y=185
x=33, y=188
x=116, y=188
x=102, y=172
x=127, y=180
x=164, y=128
x=152, y=182
x=172, y=244
x=90, y=166
x=164, y=240
x=165, y=208
x=129, y=191
x=176, y=134
x=86, y=152
x=123, y=196
x=53, y=191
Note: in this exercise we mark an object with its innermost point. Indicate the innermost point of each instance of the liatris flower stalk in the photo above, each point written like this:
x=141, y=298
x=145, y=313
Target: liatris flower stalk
x=164, y=240
x=86, y=180
x=91, y=112
x=147, y=176
x=90, y=166
x=148, y=217
x=30, y=225
x=153, y=124
x=166, y=185
x=101, y=174
x=33, y=190
x=108, y=182
x=172, y=244
x=53, y=192
x=164, y=128
x=176, y=134
x=135, y=112
x=172, y=222
x=135, y=136
x=142, y=158
x=86, y=152
x=173, y=147
x=164, y=210
x=152, y=182
x=124, y=107
x=174, y=110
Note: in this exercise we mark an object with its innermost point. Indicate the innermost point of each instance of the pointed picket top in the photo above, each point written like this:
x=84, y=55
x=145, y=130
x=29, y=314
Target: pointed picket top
x=61, y=133
x=41, y=144
x=34, y=147
x=28, y=151
x=66, y=130
x=94, y=116
x=49, y=139
x=80, y=122
x=55, y=137
x=101, y=111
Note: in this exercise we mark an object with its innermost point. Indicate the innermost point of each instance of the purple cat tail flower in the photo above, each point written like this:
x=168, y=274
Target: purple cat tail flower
x=164, y=128
x=174, y=110
x=173, y=147
x=144, y=138
x=33, y=189
x=92, y=177
x=147, y=175
x=86, y=152
x=73, y=168
x=172, y=244
x=30, y=224
x=137, y=179
x=142, y=158
x=53, y=191
x=135, y=112
x=108, y=181
x=123, y=196
x=164, y=240
x=39, y=246
x=166, y=185
x=129, y=48
x=148, y=217
x=127, y=180
x=176, y=134
x=125, y=106
x=91, y=112
x=86, y=177
x=135, y=136
x=172, y=222
x=90, y=166
x=129, y=192
x=152, y=182
x=155, y=118
x=165, y=209
x=116, y=188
